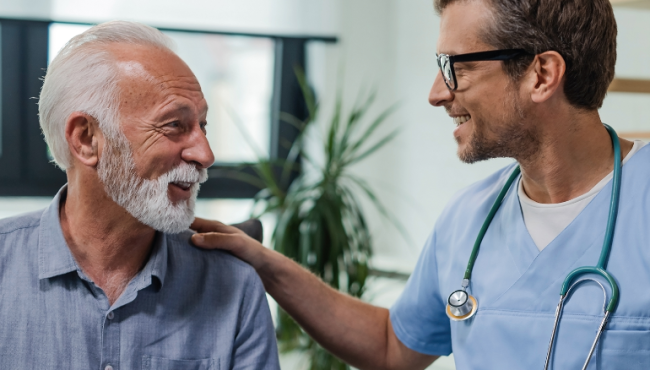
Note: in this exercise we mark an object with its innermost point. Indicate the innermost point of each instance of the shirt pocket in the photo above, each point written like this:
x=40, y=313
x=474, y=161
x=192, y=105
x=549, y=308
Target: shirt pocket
x=624, y=349
x=160, y=363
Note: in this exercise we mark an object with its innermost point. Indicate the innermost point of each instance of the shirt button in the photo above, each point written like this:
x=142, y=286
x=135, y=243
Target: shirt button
x=110, y=316
x=108, y=367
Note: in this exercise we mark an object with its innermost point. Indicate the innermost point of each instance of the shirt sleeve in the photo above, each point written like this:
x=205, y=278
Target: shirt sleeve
x=255, y=344
x=418, y=317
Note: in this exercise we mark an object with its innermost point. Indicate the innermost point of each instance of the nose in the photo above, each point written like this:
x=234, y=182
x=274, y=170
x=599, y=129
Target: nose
x=440, y=94
x=198, y=150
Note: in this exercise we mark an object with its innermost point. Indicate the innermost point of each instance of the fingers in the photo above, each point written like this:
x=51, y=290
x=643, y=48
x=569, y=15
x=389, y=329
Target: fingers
x=202, y=225
x=239, y=244
x=215, y=240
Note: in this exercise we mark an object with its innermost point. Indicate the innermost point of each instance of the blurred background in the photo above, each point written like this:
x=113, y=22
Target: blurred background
x=244, y=54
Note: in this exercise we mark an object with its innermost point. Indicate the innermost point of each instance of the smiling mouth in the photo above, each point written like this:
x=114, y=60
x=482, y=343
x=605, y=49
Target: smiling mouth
x=459, y=120
x=183, y=185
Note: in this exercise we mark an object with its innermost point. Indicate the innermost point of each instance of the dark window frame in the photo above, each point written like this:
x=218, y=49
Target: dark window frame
x=24, y=169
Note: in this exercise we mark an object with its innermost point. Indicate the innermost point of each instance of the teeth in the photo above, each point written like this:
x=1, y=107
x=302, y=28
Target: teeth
x=461, y=119
x=183, y=185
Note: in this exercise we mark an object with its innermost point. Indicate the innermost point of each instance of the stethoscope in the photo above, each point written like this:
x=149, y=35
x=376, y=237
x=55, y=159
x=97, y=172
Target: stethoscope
x=461, y=305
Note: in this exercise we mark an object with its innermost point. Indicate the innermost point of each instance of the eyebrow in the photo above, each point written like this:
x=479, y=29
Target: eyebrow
x=172, y=109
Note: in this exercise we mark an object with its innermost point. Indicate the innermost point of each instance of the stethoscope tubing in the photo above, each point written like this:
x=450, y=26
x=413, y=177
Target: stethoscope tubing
x=613, y=207
x=570, y=280
x=488, y=221
x=599, y=269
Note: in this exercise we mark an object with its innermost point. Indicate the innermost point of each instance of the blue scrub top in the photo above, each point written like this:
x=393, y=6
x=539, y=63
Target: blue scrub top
x=518, y=287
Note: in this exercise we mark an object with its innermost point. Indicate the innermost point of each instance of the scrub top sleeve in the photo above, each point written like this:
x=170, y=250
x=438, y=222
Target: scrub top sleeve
x=418, y=317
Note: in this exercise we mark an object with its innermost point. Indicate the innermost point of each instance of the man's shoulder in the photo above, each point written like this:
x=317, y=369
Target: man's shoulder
x=186, y=255
x=29, y=220
x=639, y=162
x=217, y=277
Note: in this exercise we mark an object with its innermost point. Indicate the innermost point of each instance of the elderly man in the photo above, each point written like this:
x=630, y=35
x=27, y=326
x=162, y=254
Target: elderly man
x=522, y=79
x=105, y=277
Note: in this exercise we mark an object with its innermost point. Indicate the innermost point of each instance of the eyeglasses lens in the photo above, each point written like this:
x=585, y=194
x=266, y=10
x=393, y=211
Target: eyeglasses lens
x=445, y=67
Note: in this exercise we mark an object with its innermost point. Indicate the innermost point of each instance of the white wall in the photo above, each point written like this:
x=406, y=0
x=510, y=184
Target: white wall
x=628, y=111
x=263, y=16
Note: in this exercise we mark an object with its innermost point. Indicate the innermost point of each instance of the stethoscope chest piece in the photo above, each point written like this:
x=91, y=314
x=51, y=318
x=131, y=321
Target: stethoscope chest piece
x=461, y=306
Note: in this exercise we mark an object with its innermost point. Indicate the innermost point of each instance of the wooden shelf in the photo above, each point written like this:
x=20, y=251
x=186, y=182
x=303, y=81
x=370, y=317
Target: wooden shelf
x=630, y=135
x=641, y=4
x=630, y=85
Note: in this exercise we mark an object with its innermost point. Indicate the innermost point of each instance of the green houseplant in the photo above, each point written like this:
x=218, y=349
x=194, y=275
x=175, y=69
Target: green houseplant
x=321, y=223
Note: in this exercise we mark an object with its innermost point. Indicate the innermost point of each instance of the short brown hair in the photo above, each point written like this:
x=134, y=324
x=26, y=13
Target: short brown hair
x=582, y=31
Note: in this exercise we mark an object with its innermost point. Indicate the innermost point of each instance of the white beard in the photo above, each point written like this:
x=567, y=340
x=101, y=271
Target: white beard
x=148, y=200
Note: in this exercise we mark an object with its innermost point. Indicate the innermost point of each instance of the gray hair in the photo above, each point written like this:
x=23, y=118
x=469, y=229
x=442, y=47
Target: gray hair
x=84, y=77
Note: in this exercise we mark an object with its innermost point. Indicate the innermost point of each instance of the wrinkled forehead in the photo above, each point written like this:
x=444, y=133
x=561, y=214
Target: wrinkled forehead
x=151, y=64
x=149, y=75
x=462, y=24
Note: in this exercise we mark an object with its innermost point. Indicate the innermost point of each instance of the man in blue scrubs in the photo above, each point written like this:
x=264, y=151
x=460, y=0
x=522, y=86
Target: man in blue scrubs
x=540, y=107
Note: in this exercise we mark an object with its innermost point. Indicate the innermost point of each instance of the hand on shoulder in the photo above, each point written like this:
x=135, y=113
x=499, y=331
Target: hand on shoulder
x=216, y=235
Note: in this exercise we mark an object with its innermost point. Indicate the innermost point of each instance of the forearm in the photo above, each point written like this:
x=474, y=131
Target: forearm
x=356, y=332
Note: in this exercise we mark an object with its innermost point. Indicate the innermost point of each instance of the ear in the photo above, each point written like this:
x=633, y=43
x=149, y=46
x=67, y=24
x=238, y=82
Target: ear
x=548, y=75
x=83, y=135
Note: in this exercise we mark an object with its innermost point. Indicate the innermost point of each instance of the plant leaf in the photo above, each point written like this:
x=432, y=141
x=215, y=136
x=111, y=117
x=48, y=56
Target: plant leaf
x=378, y=121
x=385, y=140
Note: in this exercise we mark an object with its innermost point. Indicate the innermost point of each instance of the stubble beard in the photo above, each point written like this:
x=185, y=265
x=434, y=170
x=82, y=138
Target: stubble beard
x=148, y=200
x=510, y=137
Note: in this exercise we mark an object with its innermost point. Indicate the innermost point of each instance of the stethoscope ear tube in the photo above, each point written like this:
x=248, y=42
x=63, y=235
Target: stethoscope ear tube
x=601, y=327
x=573, y=275
x=558, y=313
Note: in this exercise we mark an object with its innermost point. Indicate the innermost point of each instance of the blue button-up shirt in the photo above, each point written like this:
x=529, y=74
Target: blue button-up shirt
x=187, y=309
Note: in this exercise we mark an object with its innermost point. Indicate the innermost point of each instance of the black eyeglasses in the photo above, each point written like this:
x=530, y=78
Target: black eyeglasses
x=446, y=62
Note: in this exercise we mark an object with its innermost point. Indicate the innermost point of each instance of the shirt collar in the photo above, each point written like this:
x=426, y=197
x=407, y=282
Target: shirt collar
x=55, y=258
x=157, y=264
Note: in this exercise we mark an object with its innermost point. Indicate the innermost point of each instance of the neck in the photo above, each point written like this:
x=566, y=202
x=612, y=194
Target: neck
x=109, y=245
x=571, y=161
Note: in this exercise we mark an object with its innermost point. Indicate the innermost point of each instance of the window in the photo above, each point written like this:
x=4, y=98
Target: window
x=236, y=76
x=24, y=166
x=248, y=80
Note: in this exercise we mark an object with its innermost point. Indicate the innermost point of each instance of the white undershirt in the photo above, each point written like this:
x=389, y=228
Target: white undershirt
x=546, y=221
